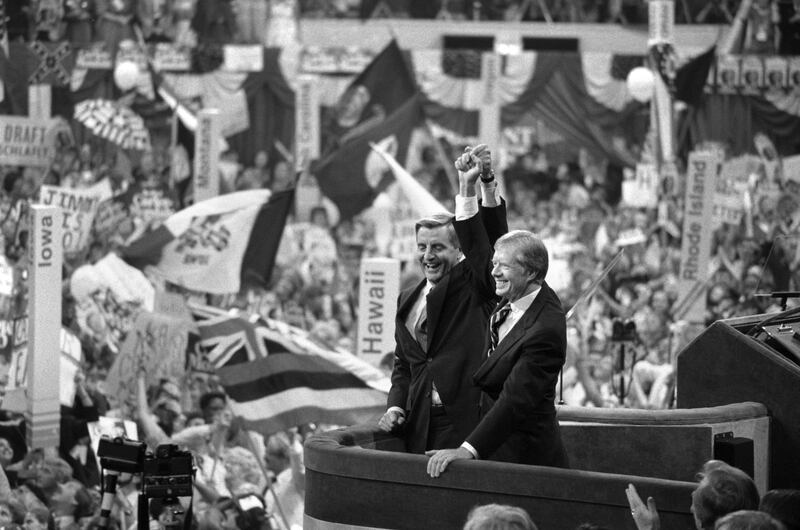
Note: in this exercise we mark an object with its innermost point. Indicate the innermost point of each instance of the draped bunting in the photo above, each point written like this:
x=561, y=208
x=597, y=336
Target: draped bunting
x=600, y=83
x=557, y=94
x=460, y=93
x=734, y=120
x=580, y=96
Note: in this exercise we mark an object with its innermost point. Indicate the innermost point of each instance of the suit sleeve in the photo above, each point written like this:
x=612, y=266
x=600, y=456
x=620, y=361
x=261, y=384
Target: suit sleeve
x=523, y=398
x=401, y=372
x=495, y=221
x=401, y=377
x=474, y=241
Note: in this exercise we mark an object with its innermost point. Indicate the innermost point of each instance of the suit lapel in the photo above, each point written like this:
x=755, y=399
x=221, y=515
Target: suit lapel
x=515, y=335
x=435, y=303
x=408, y=302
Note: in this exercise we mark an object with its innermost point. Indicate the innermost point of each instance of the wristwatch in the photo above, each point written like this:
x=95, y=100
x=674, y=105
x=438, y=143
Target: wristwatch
x=487, y=177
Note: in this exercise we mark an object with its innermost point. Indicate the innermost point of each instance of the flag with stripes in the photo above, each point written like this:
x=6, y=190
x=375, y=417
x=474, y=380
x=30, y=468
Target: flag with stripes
x=219, y=245
x=278, y=377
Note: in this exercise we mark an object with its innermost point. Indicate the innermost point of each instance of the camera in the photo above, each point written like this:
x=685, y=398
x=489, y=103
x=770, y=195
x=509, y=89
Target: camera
x=121, y=454
x=623, y=331
x=168, y=473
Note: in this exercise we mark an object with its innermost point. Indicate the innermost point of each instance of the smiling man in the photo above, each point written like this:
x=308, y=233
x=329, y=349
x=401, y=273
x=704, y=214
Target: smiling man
x=525, y=348
x=440, y=323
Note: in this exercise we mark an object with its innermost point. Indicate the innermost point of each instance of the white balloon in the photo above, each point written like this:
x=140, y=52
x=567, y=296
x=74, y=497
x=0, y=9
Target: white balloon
x=126, y=74
x=641, y=83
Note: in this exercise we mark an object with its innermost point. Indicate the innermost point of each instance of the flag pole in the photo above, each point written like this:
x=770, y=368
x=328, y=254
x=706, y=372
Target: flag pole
x=449, y=168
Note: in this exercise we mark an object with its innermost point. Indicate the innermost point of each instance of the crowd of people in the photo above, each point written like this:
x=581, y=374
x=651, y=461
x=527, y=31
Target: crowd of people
x=620, y=342
x=204, y=24
x=574, y=207
x=725, y=499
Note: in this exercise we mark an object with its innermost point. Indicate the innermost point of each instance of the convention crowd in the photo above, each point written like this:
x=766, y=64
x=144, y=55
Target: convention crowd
x=625, y=336
x=622, y=340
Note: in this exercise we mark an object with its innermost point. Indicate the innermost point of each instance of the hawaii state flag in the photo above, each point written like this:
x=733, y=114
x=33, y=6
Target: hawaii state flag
x=218, y=245
x=277, y=377
x=354, y=175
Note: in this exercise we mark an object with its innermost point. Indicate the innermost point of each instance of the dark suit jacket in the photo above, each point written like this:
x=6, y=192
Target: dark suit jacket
x=518, y=417
x=458, y=310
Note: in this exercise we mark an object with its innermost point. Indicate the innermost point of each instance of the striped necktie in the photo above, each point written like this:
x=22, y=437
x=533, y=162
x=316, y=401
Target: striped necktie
x=495, y=321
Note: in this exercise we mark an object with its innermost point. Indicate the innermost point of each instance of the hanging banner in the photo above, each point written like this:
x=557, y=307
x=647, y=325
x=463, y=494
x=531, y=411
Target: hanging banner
x=698, y=229
x=775, y=72
x=335, y=60
x=728, y=74
x=307, y=133
x=752, y=74
x=25, y=141
x=79, y=207
x=379, y=287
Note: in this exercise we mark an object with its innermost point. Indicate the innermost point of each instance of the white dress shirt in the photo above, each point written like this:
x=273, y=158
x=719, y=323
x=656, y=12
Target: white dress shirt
x=467, y=207
x=518, y=309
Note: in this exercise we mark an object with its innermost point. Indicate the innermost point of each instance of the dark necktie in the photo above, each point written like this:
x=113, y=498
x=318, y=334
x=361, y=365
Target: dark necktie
x=421, y=328
x=495, y=321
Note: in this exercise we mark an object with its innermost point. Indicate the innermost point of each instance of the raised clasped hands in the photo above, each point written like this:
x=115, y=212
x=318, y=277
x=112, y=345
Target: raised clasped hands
x=473, y=162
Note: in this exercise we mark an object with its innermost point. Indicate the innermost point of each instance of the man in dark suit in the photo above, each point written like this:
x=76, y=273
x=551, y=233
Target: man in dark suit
x=526, y=348
x=440, y=322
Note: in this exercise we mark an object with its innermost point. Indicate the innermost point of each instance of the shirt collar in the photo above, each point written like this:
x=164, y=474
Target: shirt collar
x=428, y=287
x=522, y=305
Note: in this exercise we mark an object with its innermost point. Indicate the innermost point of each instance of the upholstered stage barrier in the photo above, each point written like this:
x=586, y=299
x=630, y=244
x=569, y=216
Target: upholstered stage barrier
x=359, y=477
x=726, y=365
x=355, y=478
x=669, y=444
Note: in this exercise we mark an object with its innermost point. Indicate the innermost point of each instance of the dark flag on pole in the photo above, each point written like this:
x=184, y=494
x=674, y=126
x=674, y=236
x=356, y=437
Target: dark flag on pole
x=353, y=175
x=685, y=82
x=384, y=85
x=690, y=79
